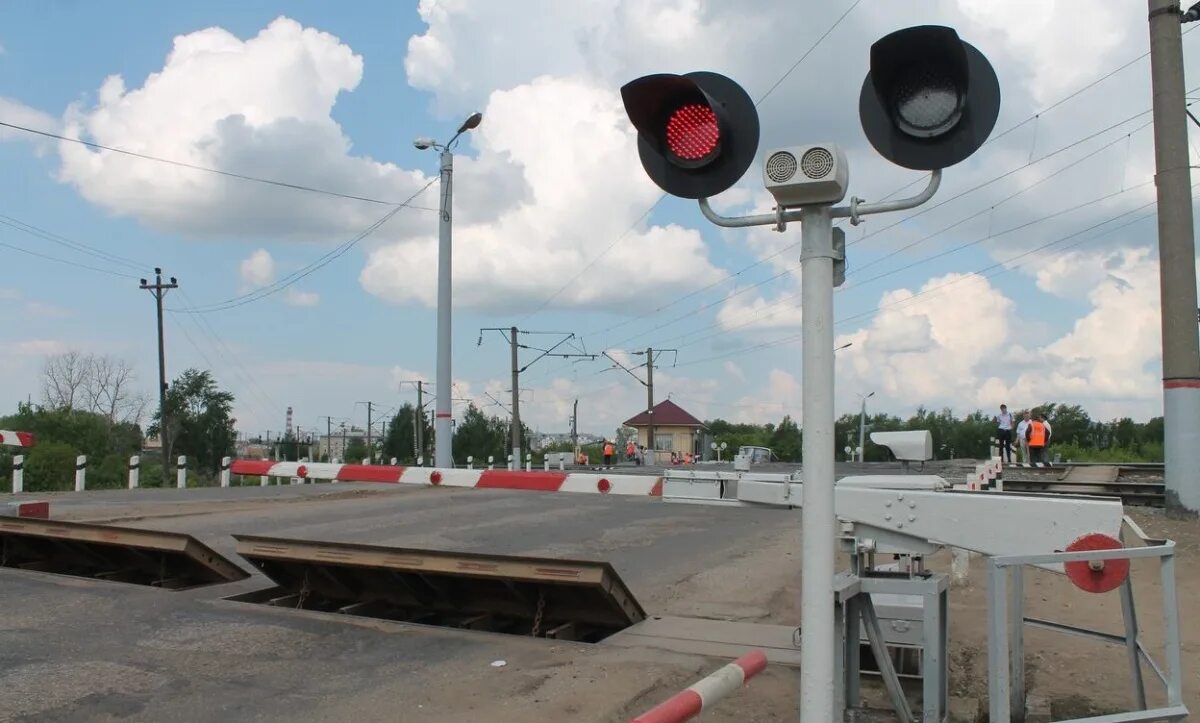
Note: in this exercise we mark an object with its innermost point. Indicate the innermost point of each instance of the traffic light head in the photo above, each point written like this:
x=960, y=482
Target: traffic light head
x=929, y=100
x=697, y=133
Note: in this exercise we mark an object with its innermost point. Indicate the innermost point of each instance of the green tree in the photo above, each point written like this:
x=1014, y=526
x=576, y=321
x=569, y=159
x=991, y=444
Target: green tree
x=50, y=466
x=201, y=420
x=401, y=441
x=356, y=450
x=480, y=436
x=786, y=441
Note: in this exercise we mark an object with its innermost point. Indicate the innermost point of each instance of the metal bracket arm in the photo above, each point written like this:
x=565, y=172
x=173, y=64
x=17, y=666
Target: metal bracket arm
x=854, y=211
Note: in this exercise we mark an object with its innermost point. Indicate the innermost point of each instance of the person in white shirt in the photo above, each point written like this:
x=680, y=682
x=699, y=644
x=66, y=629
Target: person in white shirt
x=1004, y=432
x=1021, y=437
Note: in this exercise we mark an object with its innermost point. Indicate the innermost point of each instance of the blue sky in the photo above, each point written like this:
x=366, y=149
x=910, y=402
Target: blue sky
x=548, y=201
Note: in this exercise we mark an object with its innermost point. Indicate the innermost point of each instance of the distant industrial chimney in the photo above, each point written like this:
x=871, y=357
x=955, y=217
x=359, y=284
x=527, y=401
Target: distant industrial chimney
x=289, y=424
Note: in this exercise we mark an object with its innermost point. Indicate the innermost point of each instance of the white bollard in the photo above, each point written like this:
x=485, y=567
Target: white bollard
x=18, y=474
x=491, y=459
x=264, y=480
x=545, y=464
x=420, y=461
x=393, y=461
x=135, y=466
x=510, y=463
x=225, y=464
x=181, y=472
x=367, y=460
x=528, y=462
x=80, y=472
x=470, y=462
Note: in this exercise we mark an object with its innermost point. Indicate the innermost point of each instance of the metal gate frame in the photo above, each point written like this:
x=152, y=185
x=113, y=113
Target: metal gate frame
x=1006, y=620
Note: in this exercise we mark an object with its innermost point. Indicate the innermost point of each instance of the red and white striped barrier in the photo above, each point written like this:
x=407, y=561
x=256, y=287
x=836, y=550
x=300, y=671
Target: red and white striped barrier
x=695, y=698
x=36, y=509
x=605, y=484
x=17, y=439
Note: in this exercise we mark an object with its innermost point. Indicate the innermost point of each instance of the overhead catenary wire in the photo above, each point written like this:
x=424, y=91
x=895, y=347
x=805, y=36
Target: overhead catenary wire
x=196, y=167
x=94, y=252
x=68, y=262
x=320, y=262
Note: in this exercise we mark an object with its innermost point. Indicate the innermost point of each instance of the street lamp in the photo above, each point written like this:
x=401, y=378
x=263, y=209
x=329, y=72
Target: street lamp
x=442, y=413
x=862, y=426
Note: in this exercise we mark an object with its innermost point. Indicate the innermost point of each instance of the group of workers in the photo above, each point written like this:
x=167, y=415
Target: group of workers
x=638, y=454
x=1032, y=432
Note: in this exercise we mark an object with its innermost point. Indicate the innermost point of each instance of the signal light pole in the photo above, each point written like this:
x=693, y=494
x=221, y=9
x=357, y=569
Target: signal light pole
x=929, y=101
x=442, y=437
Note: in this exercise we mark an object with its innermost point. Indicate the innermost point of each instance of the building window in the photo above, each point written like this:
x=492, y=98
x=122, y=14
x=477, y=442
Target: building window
x=664, y=442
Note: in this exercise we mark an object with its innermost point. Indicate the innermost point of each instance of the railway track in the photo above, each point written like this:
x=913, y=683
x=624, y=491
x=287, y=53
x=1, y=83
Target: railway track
x=1140, y=484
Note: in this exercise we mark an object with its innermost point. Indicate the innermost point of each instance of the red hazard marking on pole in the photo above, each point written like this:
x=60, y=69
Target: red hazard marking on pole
x=251, y=466
x=604, y=486
x=444, y=415
x=656, y=491
x=302, y=471
x=513, y=480
x=369, y=473
x=1181, y=384
x=705, y=692
x=435, y=477
x=1096, y=575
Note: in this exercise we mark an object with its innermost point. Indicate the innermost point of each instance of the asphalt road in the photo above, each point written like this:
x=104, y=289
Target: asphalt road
x=75, y=649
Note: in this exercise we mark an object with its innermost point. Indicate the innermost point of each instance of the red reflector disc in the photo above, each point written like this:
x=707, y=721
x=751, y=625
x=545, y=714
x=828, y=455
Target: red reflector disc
x=1111, y=573
x=692, y=132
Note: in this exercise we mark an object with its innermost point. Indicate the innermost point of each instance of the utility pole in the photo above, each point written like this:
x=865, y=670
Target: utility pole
x=649, y=384
x=1176, y=258
x=158, y=290
x=328, y=437
x=418, y=418
x=370, y=454
x=575, y=428
x=511, y=335
x=344, y=447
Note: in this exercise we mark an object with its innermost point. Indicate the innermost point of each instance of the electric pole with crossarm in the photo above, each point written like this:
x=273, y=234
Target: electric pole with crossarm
x=158, y=290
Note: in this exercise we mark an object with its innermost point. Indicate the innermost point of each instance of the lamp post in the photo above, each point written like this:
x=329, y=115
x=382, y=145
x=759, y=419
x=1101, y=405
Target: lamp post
x=442, y=413
x=862, y=427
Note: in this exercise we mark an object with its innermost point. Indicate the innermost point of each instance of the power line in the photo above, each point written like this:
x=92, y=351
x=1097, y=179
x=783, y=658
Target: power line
x=195, y=167
x=927, y=209
x=81, y=247
x=316, y=265
x=659, y=200
x=67, y=262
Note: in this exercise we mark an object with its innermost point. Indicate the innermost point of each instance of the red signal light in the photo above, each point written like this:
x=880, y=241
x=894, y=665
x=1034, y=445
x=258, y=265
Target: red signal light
x=693, y=134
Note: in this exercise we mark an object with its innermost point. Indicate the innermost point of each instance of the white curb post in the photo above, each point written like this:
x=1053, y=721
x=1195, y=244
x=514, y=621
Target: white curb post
x=18, y=474
x=181, y=472
x=225, y=475
x=510, y=463
x=562, y=462
x=546, y=464
x=264, y=480
x=420, y=461
x=491, y=459
x=135, y=466
x=470, y=462
x=80, y=472
x=528, y=462
x=393, y=461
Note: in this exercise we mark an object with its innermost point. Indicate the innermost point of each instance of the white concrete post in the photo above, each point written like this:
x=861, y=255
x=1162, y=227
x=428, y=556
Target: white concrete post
x=135, y=466
x=420, y=461
x=367, y=460
x=491, y=459
x=264, y=480
x=18, y=474
x=510, y=463
x=80, y=473
x=181, y=472
x=393, y=461
x=470, y=462
x=546, y=464
x=562, y=463
x=225, y=474
x=528, y=462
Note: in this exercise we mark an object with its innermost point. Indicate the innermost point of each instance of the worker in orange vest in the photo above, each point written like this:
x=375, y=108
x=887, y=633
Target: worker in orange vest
x=631, y=451
x=1038, y=435
x=609, y=450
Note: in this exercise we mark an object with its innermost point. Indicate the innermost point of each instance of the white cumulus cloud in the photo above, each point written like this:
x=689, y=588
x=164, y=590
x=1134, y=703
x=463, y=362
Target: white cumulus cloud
x=257, y=270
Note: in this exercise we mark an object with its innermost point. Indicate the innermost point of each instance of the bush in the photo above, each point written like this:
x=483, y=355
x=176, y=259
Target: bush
x=49, y=467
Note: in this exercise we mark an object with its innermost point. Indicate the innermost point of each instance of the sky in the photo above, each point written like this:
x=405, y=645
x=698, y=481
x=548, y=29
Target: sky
x=1032, y=275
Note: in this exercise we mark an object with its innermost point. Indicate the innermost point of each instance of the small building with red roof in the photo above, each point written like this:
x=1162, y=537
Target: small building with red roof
x=675, y=430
